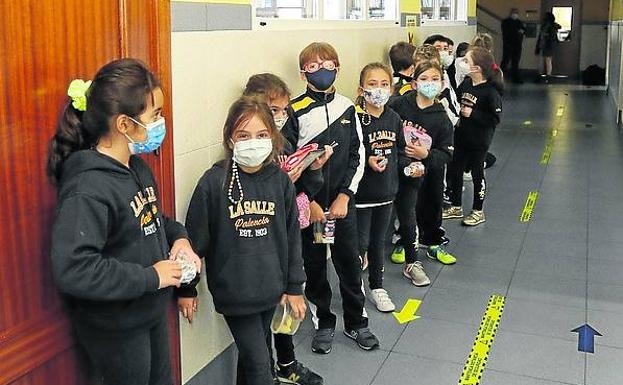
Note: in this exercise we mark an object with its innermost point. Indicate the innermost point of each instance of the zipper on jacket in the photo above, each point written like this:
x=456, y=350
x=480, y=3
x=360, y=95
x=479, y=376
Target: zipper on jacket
x=327, y=183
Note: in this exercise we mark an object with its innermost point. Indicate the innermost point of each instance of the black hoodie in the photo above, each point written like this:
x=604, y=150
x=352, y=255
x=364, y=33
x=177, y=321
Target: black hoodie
x=435, y=122
x=108, y=234
x=252, y=249
x=383, y=136
x=476, y=132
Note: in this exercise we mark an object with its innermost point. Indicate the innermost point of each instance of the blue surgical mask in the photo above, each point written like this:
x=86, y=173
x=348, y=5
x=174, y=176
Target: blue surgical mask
x=252, y=152
x=156, y=132
x=377, y=96
x=322, y=79
x=428, y=89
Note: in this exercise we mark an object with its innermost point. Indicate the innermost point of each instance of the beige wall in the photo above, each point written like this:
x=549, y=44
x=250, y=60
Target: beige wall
x=209, y=72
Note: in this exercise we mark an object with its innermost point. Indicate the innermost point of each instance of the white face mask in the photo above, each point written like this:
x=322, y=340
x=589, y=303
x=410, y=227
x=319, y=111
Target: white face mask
x=515, y=16
x=446, y=58
x=377, y=96
x=252, y=152
x=462, y=70
x=280, y=122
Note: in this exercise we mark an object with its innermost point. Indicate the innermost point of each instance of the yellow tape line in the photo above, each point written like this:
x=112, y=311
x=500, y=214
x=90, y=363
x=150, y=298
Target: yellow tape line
x=561, y=111
x=547, y=152
x=526, y=214
x=475, y=365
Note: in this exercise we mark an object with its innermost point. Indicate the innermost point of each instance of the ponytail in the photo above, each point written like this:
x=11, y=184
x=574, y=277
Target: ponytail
x=490, y=70
x=119, y=87
x=69, y=138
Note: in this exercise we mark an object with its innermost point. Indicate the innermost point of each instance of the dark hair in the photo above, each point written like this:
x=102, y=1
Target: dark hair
x=549, y=18
x=461, y=49
x=435, y=38
x=266, y=85
x=364, y=73
x=401, y=56
x=119, y=87
x=426, y=65
x=449, y=41
x=241, y=111
x=490, y=70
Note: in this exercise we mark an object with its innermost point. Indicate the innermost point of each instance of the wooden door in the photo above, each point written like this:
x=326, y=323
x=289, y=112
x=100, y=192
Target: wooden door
x=44, y=44
x=566, y=60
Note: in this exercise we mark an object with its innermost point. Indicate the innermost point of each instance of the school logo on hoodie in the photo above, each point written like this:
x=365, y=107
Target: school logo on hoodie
x=148, y=219
x=252, y=218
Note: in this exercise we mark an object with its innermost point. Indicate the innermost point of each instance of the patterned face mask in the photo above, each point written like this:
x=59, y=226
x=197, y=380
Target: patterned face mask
x=377, y=96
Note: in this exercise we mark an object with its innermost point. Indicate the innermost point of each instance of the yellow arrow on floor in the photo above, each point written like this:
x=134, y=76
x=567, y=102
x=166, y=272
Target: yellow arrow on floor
x=407, y=314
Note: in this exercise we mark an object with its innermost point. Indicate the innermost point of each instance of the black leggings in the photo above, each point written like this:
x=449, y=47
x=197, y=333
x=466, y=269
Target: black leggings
x=406, y=200
x=429, y=208
x=137, y=357
x=345, y=258
x=253, y=340
x=285, y=349
x=474, y=159
x=372, y=239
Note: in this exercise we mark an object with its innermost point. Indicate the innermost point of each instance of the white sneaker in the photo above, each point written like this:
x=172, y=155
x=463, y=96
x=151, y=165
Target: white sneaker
x=382, y=301
x=416, y=274
x=475, y=218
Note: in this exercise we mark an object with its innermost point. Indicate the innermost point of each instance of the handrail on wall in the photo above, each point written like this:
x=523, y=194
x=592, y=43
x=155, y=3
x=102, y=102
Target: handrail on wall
x=489, y=12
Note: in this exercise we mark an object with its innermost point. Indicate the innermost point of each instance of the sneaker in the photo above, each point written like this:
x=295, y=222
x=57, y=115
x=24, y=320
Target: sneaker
x=276, y=381
x=475, y=218
x=467, y=176
x=297, y=374
x=416, y=274
x=382, y=301
x=322, y=343
x=453, y=212
x=398, y=256
x=364, y=337
x=438, y=253
x=364, y=262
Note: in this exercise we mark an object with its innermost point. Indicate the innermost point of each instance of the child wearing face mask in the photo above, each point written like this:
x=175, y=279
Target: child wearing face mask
x=384, y=144
x=243, y=219
x=276, y=94
x=111, y=244
x=323, y=116
x=481, y=109
x=401, y=59
x=421, y=110
x=447, y=96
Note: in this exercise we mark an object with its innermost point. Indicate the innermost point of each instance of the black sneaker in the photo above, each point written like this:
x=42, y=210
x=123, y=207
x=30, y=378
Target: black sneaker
x=297, y=374
x=322, y=343
x=364, y=337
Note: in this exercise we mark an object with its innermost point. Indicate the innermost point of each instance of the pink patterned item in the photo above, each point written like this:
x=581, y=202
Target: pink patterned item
x=302, y=202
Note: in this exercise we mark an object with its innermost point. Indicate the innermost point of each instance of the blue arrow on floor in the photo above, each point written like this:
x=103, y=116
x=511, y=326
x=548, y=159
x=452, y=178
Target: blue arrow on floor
x=587, y=334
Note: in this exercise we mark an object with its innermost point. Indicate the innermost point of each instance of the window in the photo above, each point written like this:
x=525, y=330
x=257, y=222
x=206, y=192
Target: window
x=444, y=10
x=328, y=9
x=564, y=17
x=286, y=9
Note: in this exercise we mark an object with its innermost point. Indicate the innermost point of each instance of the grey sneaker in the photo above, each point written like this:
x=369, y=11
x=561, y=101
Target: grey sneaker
x=453, y=212
x=474, y=218
x=382, y=301
x=415, y=273
x=364, y=337
x=322, y=343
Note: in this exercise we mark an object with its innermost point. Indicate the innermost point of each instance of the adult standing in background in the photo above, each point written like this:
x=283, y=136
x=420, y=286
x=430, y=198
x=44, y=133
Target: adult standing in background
x=548, y=38
x=513, y=31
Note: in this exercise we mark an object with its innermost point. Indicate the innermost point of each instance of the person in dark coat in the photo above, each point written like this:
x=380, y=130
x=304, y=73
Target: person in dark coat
x=513, y=30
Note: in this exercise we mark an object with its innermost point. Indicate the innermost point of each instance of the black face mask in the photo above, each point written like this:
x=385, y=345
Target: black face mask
x=322, y=79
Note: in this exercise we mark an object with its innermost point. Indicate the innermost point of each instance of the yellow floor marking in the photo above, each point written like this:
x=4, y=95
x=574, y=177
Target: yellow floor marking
x=475, y=365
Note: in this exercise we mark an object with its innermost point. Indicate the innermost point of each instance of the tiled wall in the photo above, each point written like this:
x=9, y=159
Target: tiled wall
x=210, y=69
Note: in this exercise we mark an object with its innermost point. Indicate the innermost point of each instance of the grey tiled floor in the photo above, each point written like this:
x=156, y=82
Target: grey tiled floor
x=559, y=271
